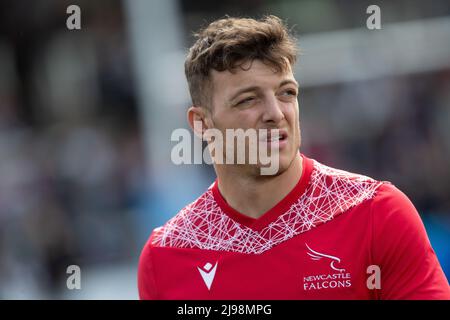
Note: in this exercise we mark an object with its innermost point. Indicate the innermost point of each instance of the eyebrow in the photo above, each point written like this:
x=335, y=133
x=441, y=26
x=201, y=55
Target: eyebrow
x=254, y=88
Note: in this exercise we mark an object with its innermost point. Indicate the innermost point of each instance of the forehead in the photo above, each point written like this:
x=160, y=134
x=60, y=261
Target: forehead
x=254, y=73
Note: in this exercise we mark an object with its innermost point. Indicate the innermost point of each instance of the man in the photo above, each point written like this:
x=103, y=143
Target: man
x=306, y=232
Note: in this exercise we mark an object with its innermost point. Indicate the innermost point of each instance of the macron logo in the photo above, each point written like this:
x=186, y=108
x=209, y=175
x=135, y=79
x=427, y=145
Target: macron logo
x=208, y=272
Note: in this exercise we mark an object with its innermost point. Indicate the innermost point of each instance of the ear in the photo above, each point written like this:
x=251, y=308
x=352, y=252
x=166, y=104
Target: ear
x=198, y=120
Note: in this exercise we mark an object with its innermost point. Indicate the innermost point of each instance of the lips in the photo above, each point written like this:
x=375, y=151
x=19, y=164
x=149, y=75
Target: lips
x=273, y=135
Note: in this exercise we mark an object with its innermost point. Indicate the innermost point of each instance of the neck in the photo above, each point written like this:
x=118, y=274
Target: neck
x=254, y=195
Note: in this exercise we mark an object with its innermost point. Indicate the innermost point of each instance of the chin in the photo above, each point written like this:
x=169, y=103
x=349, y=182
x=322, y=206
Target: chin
x=285, y=161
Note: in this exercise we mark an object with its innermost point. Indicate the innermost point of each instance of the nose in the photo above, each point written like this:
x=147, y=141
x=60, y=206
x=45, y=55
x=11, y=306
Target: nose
x=272, y=112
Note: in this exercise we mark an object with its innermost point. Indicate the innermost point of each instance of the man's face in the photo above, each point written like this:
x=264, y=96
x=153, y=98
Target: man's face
x=258, y=98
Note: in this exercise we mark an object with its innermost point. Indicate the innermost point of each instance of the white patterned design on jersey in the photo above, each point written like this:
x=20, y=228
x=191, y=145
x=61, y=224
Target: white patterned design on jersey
x=203, y=225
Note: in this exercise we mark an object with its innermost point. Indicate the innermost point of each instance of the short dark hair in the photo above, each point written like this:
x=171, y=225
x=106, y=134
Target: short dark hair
x=230, y=42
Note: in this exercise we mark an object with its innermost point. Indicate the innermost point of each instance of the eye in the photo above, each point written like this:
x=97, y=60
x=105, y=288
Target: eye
x=290, y=92
x=246, y=100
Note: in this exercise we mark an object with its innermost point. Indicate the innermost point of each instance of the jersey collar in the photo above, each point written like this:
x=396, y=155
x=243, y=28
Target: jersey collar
x=273, y=213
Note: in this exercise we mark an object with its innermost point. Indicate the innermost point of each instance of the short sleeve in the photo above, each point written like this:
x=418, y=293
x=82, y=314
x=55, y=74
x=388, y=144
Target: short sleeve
x=409, y=267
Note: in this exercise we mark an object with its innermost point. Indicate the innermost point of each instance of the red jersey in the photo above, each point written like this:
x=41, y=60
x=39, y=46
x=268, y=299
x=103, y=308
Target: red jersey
x=336, y=235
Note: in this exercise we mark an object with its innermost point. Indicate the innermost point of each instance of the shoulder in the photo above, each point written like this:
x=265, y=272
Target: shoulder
x=331, y=175
x=345, y=189
x=191, y=217
x=399, y=234
x=171, y=234
x=396, y=221
x=401, y=247
x=391, y=208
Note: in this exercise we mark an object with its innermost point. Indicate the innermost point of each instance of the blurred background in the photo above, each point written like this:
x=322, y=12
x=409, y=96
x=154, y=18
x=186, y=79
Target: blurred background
x=86, y=118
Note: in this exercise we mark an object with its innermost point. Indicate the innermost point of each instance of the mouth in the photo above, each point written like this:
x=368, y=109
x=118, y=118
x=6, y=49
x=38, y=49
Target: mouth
x=274, y=135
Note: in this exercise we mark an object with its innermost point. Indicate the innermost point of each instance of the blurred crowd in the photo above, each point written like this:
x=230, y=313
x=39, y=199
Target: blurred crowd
x=72, y=168
x=71, y=158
